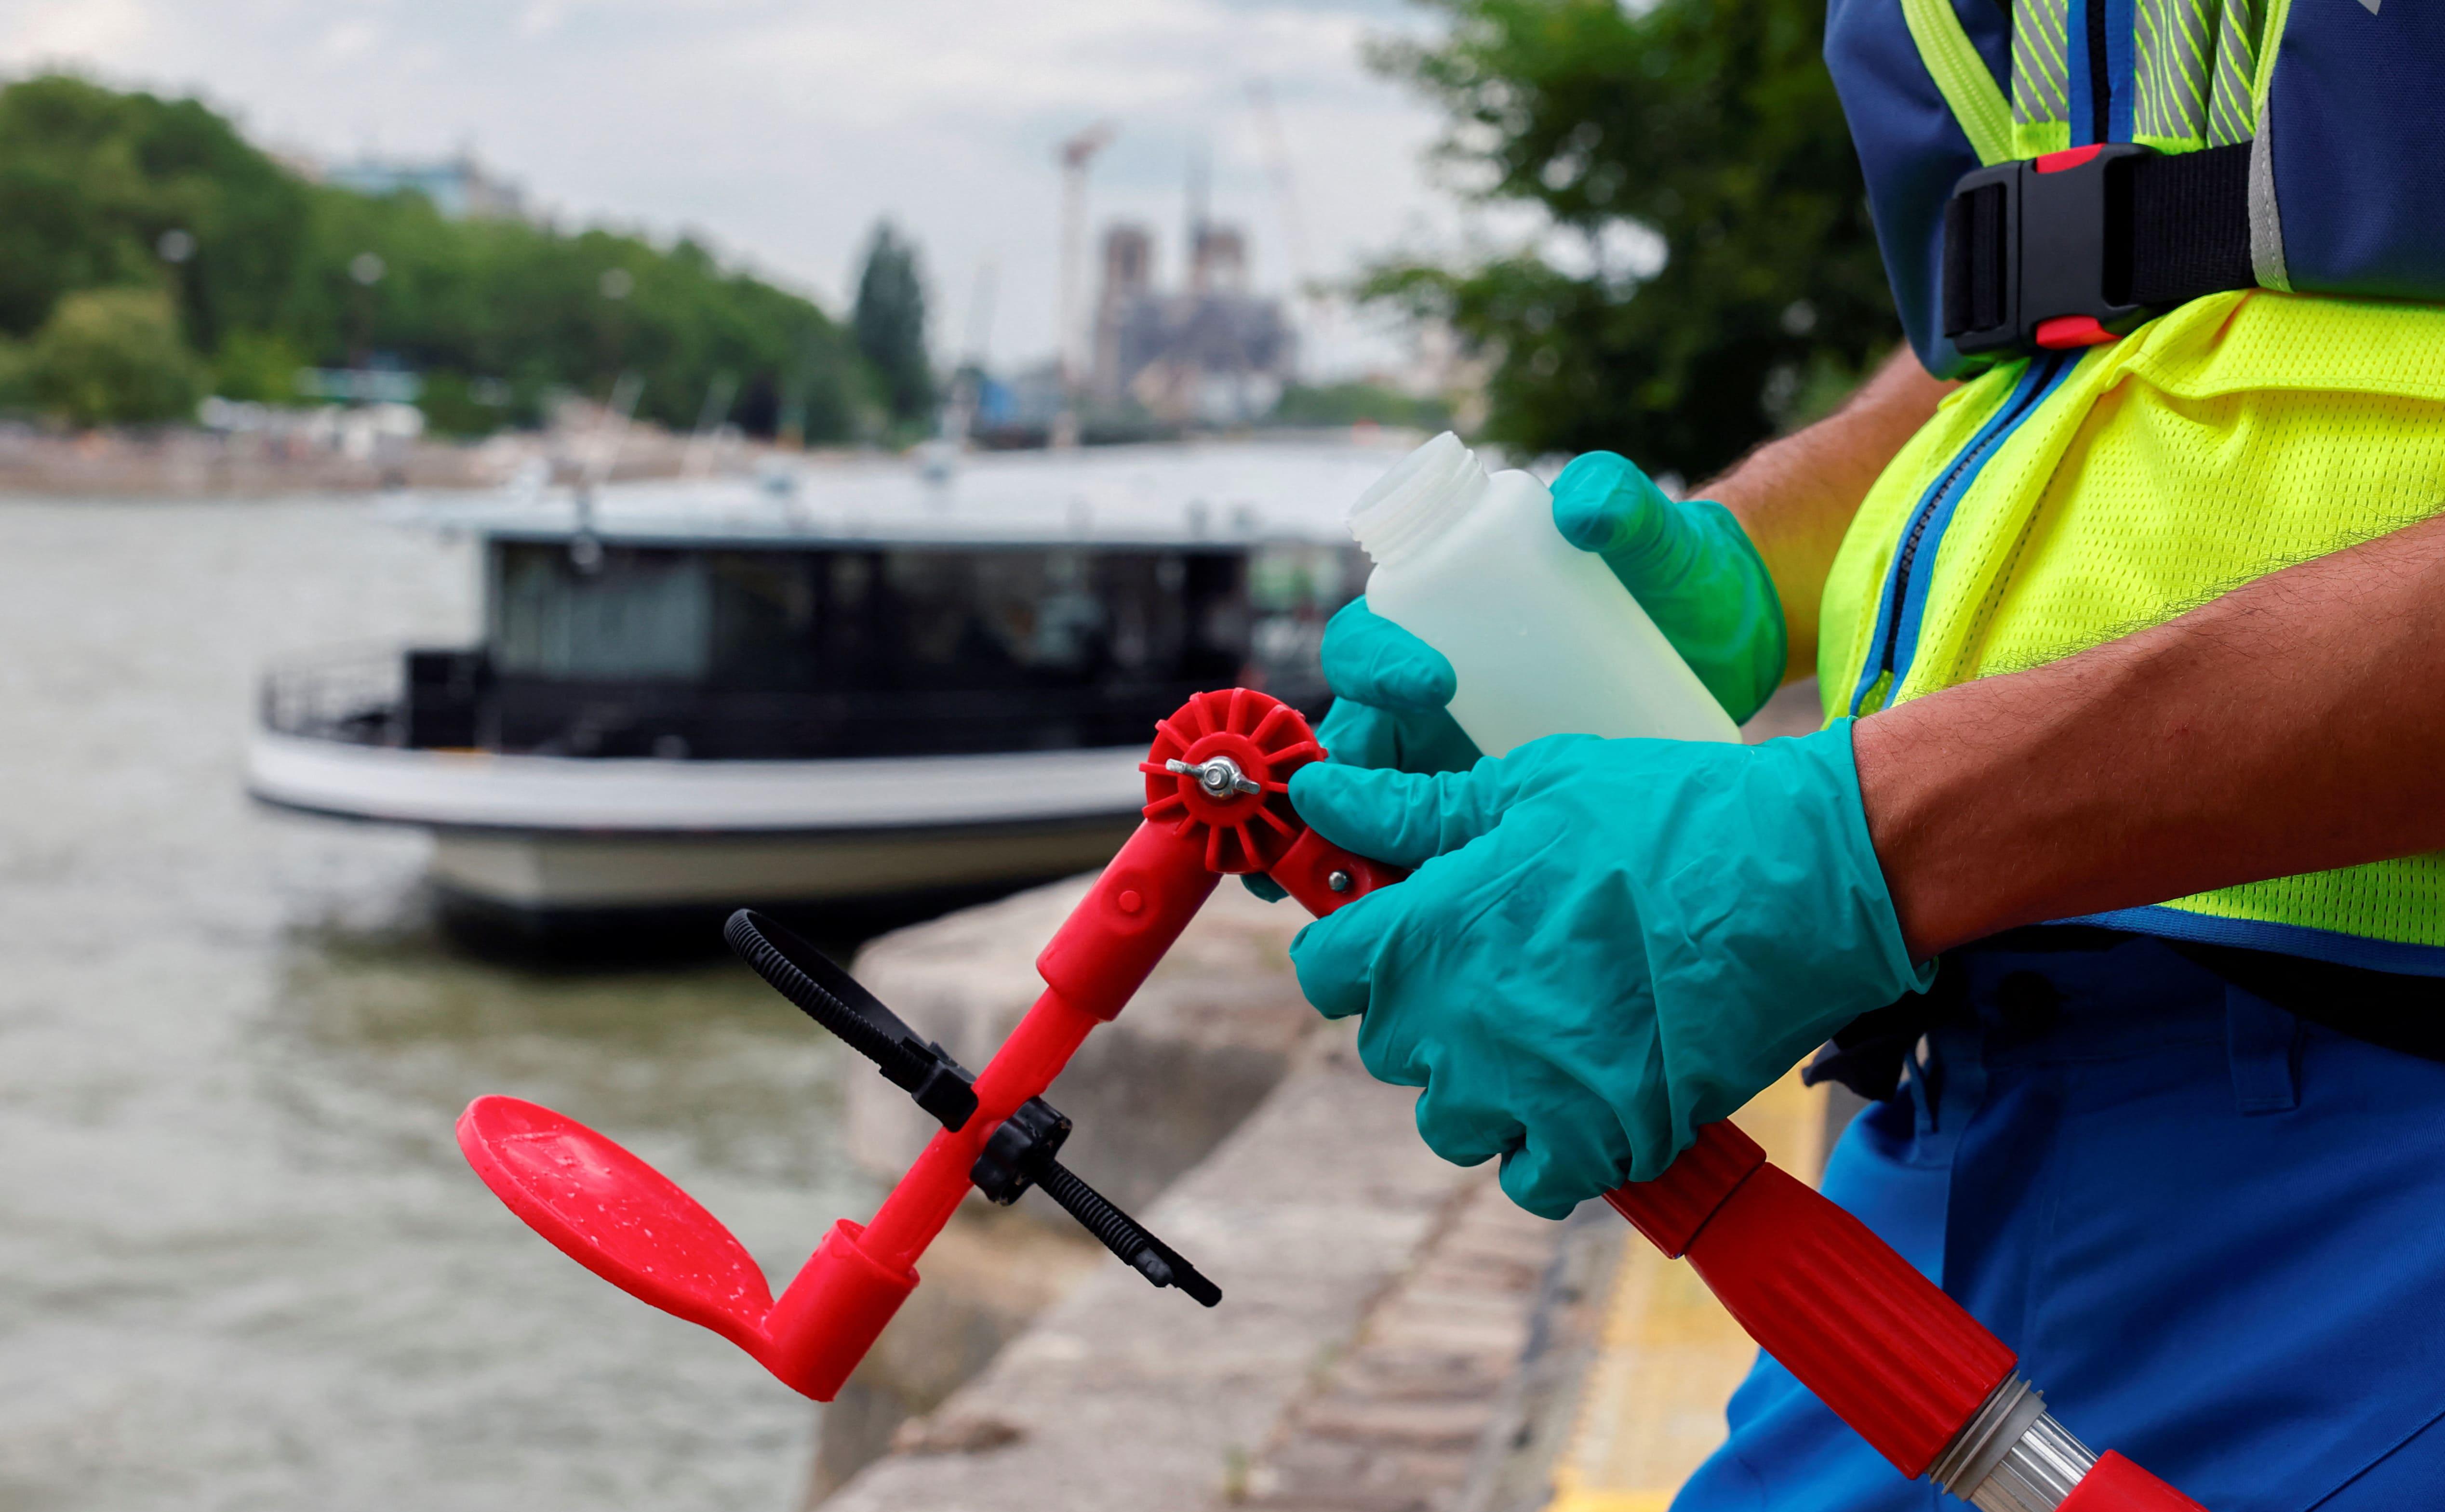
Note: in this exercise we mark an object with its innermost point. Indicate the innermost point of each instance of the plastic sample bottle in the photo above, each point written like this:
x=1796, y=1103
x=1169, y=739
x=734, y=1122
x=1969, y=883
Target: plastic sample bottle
x=1543, y=637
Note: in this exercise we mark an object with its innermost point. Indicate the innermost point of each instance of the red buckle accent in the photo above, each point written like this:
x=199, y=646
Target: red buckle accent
x=2054, y=163
x=2065, y=332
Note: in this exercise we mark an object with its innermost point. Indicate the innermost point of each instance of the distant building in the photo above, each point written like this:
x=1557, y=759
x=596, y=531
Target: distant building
x=459, y=187
x=1210, y=353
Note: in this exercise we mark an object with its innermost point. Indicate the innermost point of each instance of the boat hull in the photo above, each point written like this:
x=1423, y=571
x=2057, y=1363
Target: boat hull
x=533, y=871
x=535, y=835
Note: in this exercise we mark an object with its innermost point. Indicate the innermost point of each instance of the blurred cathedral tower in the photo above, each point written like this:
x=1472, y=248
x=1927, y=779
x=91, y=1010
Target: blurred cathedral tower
x=1211, y=353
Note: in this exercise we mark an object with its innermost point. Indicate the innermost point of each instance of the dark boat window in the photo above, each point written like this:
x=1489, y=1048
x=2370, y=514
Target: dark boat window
x=1292, y=591
x=888, y=650
x=899, y=619
x=639, y=614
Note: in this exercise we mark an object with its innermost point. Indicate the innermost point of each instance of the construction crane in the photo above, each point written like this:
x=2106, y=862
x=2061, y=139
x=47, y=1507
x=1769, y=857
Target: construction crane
x=1277, y=150
x=1075, y=155
x=960, y=416
x=1276, y=147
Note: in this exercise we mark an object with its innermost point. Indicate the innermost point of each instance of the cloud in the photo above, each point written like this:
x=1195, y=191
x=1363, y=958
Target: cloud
x=349, y=40
x=48, y=31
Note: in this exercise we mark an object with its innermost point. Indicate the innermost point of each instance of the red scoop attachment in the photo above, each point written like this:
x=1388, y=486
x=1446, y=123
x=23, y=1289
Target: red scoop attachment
x=1888, y=1350
x=616, y=1216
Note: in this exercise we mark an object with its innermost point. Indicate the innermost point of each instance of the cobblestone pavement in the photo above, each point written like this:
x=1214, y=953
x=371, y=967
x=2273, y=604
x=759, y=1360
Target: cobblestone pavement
x=1394, y=1423
x=1499, y=1373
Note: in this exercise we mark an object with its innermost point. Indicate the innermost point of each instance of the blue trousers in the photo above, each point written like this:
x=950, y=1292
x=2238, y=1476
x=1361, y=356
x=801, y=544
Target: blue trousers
x=2214, y=1234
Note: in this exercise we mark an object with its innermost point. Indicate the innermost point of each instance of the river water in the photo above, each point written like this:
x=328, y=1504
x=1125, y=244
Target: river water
x=242, y=1264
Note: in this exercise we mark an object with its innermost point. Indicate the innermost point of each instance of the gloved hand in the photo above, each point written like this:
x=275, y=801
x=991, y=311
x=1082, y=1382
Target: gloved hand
x=1606, y=943
x=1689, y=565
x=1389, y=691
x=1691, y=568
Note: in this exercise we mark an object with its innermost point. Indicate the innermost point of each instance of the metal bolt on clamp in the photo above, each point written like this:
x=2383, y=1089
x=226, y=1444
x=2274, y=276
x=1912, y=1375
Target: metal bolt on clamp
x=1219, y=775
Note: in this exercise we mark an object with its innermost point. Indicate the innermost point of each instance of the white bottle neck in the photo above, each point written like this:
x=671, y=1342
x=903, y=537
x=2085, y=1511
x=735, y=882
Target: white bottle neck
x=1425, y=495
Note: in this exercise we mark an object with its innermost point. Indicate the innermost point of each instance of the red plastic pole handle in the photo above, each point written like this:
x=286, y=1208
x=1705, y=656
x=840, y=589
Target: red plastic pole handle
x=1877, y=1342
x=2116, y=1485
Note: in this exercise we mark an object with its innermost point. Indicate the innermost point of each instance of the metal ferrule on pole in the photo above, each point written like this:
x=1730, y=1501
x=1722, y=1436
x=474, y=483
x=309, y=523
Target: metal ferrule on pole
x=2012, y=1456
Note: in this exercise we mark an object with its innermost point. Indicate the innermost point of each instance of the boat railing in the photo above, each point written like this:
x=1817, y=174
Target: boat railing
x=427, y=697
x=557, y=718
x=354, y=694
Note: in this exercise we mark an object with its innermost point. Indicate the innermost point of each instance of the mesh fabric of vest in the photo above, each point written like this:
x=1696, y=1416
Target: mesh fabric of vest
x=2240, y=434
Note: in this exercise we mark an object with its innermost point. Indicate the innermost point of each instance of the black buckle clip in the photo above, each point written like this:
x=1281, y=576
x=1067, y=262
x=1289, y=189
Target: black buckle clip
x=2037, y=254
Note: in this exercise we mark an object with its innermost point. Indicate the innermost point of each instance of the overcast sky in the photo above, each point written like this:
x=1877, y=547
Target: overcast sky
x=780, y=129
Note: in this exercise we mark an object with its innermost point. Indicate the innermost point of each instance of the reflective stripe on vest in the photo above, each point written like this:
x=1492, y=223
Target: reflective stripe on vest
x=2176, y=75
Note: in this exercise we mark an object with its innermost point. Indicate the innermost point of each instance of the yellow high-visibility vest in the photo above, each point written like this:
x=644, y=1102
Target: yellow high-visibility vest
x=2056, y=502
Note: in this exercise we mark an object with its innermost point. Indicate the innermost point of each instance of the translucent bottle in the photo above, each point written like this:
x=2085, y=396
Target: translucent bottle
x=1544, y=639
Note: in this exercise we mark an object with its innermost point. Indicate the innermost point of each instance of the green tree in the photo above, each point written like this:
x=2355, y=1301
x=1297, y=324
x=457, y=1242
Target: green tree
x=110, y=356
x=1705, y=131
x=889, y=322
x=257, y=365
x=100, y=189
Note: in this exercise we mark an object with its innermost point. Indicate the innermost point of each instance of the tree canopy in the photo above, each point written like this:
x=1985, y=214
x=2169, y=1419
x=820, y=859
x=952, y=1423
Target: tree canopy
x=266, y=271
x=890, y=321
x=1707, y=131
x=111, y=354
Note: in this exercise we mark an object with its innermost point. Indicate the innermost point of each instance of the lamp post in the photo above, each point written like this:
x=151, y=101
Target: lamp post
x=366, y=270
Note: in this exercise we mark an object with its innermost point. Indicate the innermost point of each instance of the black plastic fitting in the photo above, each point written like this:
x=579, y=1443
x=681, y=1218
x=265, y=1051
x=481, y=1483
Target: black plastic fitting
x=1020, y=1151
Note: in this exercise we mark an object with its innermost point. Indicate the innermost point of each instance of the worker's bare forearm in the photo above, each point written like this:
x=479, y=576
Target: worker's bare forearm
x=1796, y=497
x=2291, y=725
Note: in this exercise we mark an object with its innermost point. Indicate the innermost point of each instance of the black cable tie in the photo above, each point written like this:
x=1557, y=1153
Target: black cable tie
x=840, y=1003
x=1121, y=1233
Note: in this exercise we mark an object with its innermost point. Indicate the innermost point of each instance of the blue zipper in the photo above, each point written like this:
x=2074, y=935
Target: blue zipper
x=1903, y=604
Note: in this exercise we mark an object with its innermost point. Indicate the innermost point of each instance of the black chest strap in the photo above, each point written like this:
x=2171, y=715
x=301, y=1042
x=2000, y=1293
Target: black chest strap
x=2078, y=247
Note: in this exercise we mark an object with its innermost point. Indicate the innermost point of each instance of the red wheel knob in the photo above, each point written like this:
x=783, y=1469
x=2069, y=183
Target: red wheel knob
x=1221, y=766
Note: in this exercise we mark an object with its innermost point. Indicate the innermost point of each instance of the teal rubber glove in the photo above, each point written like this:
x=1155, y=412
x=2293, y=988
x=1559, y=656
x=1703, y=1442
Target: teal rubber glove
x=1691, y=566
x=1389, y=689
x=1605, y=945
